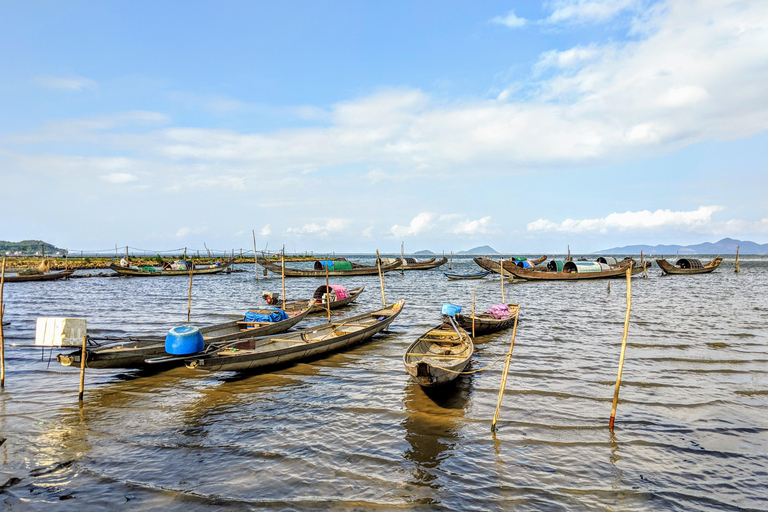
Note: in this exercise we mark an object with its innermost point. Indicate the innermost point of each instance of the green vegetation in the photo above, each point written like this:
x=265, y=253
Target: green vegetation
x=27, y=247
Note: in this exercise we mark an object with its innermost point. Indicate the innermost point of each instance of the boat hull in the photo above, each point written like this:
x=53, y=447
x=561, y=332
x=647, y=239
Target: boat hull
x=668, y=268
x=133, y=272
x=39, y=277
x=485, y=323
x=359, y=270
x=438, y=356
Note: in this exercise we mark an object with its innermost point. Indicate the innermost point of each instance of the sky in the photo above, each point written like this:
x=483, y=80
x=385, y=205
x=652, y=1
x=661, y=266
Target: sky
x=354, y=126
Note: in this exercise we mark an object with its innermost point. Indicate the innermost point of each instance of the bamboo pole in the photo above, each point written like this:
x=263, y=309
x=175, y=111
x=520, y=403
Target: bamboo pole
x=736, y=269
x=2, y=335
x=501, y=267
x=504, y=374
x=189, y=300
x=623, y=347
x=473, y=311
x=327, y=294
x=255, y=255
x=83, y=356
x=282, y=272
x=381, y=279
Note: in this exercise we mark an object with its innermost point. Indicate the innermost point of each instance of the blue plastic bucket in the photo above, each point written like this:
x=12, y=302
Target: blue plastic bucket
x=451, y=309
x=184, y=340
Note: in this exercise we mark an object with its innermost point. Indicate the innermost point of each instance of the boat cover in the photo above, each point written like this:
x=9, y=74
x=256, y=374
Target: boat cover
x=499, y=311
x=276, y=316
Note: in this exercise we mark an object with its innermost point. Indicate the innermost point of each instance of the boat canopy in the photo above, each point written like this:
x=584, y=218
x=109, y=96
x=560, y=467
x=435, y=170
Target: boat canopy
x=610, y=260
x=555, y=266
x=689, y=263
x=584, y=267
x=333, y=265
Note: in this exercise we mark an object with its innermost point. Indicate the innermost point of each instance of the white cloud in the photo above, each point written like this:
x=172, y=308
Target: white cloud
x=632, y=221
x=510, y=20
x=183, y=232
x=472, y=227
x=588, y=11
x=420, y=224
x=265, y=231
x=73, y=83
x=368, y=232
x=119, y=177
x=331, y=225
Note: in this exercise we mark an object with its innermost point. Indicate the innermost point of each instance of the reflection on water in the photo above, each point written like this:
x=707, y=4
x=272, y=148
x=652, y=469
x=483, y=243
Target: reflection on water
x=352, y=431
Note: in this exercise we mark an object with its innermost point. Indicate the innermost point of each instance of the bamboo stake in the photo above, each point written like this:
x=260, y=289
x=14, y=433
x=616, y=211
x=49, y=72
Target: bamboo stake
x=2, y=335
x=381, y=279
x=255, y=255
x=282, y=264
x=501, y=267
x=473, y=311
x=82, y=369
x=504, y=374
x=450, y=264
x=736, y=269
x=189, y=300
x=623, y=347
x=327, y=294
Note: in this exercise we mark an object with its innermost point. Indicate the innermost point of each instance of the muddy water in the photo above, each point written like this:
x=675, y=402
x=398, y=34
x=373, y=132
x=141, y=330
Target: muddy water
x=352, y=431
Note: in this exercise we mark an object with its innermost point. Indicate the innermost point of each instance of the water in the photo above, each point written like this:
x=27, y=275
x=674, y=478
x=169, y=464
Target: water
x=352, y=431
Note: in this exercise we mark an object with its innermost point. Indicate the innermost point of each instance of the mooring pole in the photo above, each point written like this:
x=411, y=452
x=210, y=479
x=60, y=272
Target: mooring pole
x=623, y=347
x=381, y=279
x=83, y=356
x=507, y=361
x=2, y=335
x=255, y=255
x=736, y=268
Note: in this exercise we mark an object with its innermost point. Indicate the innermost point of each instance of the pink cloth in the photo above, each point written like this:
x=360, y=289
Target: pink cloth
x=499, y=311
x=342, y=293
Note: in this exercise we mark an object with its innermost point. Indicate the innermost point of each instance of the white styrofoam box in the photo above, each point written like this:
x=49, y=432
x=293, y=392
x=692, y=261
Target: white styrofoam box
x=60, y=332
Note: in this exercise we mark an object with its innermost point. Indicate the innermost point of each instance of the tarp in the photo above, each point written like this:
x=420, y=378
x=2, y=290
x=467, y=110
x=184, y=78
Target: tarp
x=499, y=311
x=333, y=265
x=276, y=316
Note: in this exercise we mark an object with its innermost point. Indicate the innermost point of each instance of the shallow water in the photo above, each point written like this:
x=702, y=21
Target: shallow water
x=352, y=431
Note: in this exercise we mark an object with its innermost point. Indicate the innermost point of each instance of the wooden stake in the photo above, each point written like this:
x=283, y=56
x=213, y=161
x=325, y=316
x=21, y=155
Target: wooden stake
x=255, y=255
x=2, y=335
x=189, y=301
x=282, y=272
x=736, y=269
x=450, y=264
x=82, y=369
x=623, y=346
x=473, y=311
x=327, y=294
x=381, y=279
x=501, y=267
x=505, y=373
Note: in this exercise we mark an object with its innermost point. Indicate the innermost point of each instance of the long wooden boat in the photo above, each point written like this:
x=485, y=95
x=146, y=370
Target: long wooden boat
x=473, y=275
x=49, y=276
x=317, y=301
x=132, y=352
x=487, y=323
x=688, y=266
x=569, y=272
x=258, y=353
x=493, y=266
x=356, y=270
x=156, y=272
x=413, y=264
x=439, y=355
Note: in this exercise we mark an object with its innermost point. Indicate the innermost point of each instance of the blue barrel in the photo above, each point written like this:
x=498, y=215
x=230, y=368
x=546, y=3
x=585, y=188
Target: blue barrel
x=184, y=340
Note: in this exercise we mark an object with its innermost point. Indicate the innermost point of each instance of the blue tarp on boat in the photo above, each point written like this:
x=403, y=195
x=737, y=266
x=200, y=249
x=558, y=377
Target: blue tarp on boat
x=276, y=316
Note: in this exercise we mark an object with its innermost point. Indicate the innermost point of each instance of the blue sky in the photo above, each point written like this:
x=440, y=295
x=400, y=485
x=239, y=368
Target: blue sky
x=355, y=126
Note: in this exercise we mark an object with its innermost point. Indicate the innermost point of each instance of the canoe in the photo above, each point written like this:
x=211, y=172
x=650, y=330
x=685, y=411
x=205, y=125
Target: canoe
x=569, y=272
x=50, y=276
x=412, y=264
x=474, y=275
x=259, y=353
x=486, y=323
x=439, y=355
x=356, y=270
x=156, y=272
x=318, y=304
x=132, y=352
x=493, y=266
x=688, y=266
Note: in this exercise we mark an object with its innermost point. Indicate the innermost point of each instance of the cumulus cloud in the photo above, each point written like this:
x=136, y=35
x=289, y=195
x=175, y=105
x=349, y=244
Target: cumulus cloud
x=510, y=20
x=73, y=83
x=265, y=231
x=421, y=223
x=181, y=233
x=632, y=221
x=588, y=11
x=331, y=225
x=472, y=227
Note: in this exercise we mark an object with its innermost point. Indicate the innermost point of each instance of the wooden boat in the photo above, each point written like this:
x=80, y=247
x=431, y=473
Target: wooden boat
x=487, y=323
x=258, y=353
x=493, y=266
x=570, y=271
x=317, y=300
x=438, y=356
x=474, y=275
x=43, y=276
x=688, y=266
x=132, y=352
x=353, y=269
x=413, y=264
x=156, y=272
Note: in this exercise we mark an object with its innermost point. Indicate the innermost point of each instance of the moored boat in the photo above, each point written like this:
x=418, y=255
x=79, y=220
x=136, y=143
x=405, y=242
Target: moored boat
x=495, y=319
x=134, y=271
x=414, y=264
x=23, y=276
x=132, y=352
x=439, y=355
x=688, y=266
x=334, y=269
x=472, y=275
x=258, y=353
x=319, y=297
x=565, y=270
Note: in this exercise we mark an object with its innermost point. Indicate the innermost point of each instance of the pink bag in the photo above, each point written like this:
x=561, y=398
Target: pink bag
x=499, y=311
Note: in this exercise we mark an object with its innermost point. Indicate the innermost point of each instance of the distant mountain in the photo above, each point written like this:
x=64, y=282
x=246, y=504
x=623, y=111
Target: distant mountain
x=485, y=249
x=423, y=253
x=724, y=246
x=27, y=247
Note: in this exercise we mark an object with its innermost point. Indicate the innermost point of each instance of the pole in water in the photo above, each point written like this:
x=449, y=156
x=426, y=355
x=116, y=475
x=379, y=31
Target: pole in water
x=501, y=267
x=2, y=334
x=623, y=347
x=255, y=256
x=189, y=301
x=327, y=294
x=450, y=264
x=736, y=268
x=381, y=279
x=282, y=271
x=505, y=373
x=473, y=311
x=83, y=356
